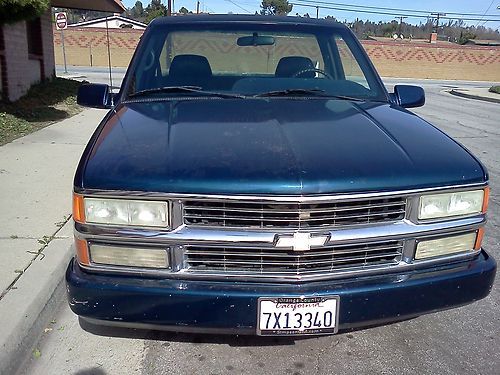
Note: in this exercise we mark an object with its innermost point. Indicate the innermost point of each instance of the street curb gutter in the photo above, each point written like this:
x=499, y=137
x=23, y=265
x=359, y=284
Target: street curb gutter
x=472, y=96
x=28, y=307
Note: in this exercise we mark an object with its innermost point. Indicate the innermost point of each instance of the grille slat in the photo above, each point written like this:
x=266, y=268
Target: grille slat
x=271, y=261
x=297, y=261
x=272, y=218
x=292, y=215
x=290, y=210
x=287, y=254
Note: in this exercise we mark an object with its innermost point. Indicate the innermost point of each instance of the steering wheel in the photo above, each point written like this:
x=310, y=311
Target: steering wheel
x=315, y=70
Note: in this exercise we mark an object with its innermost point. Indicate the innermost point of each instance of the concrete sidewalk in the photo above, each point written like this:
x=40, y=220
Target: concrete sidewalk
x=36, y=174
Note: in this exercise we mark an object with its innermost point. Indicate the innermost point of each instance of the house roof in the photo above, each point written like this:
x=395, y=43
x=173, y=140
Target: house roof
x=484, y=42
x=114, y=6
x=110, y=18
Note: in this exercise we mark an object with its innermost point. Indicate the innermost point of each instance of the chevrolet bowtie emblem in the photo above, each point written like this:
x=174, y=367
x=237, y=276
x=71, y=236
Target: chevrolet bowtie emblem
x=301, y=241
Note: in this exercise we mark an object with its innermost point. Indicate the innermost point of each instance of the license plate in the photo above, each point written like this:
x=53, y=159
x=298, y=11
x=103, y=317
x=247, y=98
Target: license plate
x=297, y=315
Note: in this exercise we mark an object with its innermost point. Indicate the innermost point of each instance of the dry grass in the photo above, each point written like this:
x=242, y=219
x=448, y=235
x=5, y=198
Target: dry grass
x=44, y=104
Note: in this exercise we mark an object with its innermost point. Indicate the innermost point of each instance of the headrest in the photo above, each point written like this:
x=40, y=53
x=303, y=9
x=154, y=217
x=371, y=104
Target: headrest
x=190, y=66
x=288, y=66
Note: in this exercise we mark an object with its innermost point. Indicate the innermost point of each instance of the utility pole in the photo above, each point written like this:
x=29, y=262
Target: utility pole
x=401, y=18
x=437, y=15
x=169, y=8
x=317, y=12
x=197, y=7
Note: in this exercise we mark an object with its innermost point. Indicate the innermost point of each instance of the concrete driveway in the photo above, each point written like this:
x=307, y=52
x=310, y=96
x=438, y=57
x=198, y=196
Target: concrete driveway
x=460, y=341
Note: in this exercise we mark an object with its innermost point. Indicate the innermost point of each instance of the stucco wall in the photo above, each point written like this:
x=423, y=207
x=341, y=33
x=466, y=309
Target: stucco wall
x=392, y=59
x=86, y=46
x=441, y=61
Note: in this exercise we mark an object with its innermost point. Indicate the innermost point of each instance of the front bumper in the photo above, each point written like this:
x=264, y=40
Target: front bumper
x=231, y=306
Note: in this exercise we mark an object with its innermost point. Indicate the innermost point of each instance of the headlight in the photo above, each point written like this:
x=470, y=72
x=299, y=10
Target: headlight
x=452, y=204
x=446, y=246
x=121, y=212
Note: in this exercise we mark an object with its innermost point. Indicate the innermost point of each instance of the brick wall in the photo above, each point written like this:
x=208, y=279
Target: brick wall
x=19, y=69
x=392, y=59
x=16, y=58
x=48, y=46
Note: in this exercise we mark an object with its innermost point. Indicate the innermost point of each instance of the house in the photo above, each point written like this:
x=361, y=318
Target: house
x=114, y=22
x=27, y=47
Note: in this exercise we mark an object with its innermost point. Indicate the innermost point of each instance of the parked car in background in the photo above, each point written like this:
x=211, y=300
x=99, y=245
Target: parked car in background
x=254, y=176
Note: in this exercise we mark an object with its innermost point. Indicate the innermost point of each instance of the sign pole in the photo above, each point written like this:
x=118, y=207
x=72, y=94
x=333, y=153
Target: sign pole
x=64, y=51
x=61, y=19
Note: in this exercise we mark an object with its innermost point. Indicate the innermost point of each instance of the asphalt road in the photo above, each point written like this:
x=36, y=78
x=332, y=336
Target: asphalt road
x=460, y=341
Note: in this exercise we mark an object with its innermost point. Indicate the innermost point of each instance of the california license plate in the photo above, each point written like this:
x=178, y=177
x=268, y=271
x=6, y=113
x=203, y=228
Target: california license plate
x=298, y=315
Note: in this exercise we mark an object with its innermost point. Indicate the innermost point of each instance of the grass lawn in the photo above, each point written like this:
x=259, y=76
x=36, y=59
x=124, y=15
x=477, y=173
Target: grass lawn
x=495, y=89
x=44, y=104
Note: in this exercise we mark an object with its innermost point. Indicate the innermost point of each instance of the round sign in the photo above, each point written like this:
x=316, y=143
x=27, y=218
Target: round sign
x=61, y=21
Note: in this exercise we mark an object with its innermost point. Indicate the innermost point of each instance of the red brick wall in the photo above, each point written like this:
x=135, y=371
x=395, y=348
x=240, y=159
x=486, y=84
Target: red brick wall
x=392, y=59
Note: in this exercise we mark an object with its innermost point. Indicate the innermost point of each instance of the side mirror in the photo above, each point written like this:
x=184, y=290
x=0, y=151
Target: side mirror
x=94, y=95
x=409, y=96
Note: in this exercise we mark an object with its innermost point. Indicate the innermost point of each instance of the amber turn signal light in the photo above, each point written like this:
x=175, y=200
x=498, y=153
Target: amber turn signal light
x=78, y=208
x=485, y=199
x=82, y=251
x=479, y=239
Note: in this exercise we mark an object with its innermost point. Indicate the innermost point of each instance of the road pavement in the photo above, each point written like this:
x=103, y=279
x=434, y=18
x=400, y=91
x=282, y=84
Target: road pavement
x=459, y=341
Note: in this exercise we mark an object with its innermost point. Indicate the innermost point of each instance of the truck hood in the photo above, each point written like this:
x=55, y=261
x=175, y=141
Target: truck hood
x=270, y=146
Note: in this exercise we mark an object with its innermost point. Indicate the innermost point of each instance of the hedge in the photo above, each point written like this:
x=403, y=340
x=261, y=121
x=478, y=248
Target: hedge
x=17, y=10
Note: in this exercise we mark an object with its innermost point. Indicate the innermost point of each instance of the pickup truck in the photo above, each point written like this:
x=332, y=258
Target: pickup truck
x=254, y=176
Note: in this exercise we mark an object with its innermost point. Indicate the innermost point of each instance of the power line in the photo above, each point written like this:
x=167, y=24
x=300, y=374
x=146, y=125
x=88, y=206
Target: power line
x=407, y=14
x=239, y=6
x=489, y=6
x=392, y=9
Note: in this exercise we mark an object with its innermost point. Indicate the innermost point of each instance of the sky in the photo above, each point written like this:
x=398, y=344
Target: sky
x=447, y=6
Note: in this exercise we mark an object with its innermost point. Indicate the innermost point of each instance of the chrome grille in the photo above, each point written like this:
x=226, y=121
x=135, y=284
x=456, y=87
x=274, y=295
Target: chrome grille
x=292, y=215
x=251, y=261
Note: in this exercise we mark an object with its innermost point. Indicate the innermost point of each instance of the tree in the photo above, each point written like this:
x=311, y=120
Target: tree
x=275, y=7
x=18, y=10
x=137, y=11
x=155, y=9
x=465, y=36
x=184, y=10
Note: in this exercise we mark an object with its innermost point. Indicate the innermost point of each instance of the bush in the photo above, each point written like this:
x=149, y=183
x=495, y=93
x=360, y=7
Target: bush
x=495, y=89
x=18, y=10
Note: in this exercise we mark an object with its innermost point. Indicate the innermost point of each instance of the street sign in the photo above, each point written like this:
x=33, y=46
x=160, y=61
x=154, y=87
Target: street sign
x=61, y=21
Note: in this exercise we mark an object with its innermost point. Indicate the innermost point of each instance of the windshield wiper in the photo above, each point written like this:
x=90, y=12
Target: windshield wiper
x=292, y=92
x=309, y=92
x=193, y=90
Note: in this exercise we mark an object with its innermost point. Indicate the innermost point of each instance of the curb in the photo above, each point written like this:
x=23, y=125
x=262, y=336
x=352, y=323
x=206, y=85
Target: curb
x=472, y=96
x=29, y=306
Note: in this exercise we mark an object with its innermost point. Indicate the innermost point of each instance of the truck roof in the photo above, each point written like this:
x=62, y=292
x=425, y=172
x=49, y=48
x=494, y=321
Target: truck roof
x=233, y=18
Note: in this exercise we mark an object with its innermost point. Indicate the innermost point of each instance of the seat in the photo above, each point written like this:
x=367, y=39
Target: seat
x=291, y=65
x=191, y=70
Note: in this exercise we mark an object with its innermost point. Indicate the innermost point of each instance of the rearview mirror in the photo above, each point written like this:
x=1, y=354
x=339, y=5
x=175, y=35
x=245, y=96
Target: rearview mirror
x=94, y=95
x=409, y=96
x=255, y=40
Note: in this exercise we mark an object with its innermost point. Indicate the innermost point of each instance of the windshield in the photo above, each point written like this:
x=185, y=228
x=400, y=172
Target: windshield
x=258, y=60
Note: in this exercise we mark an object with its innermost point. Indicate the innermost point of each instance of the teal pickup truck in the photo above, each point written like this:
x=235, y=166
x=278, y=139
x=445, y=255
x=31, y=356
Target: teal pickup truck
x=254, y=176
